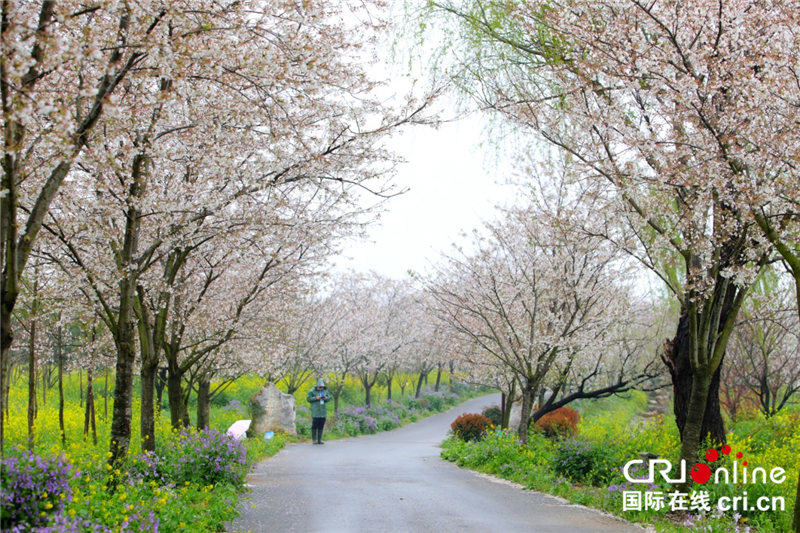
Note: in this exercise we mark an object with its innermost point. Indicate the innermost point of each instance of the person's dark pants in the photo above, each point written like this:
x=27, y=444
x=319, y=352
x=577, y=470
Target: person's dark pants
x=317, y=424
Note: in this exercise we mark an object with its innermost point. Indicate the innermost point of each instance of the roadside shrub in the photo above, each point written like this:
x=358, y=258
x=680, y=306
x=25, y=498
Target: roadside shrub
x=205, y=457
x=470, y=426
x=563, y=422
x=33, y=489
x=495, y=414
x=355, y=420
x=583, y=461
x=302, y=421
x=436, y=402
x=420, y=403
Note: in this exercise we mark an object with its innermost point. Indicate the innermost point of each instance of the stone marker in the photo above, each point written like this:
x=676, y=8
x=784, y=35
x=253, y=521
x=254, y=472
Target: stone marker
x=272, y=410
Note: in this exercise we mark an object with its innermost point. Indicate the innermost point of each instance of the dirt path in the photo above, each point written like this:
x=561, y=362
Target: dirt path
x=396, y=482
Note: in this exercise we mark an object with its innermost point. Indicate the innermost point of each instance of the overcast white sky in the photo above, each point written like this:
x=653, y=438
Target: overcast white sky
x=453, y=183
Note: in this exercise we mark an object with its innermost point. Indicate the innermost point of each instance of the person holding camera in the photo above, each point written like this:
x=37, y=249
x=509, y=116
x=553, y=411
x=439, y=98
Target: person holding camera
x=318, y=397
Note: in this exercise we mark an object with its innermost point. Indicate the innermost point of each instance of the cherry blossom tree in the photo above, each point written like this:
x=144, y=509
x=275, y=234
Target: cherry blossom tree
x=238, y=145
x=543, y=303
x=765, y=354
x=667, y=104
x=61, y=66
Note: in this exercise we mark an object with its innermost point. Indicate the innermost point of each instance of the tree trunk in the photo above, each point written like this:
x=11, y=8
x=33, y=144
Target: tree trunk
x=89, y=419
x=175, y=397
x=44, y=372
x=5, y=379
x=336, y=391
x=60, y=355
x=32, y=381
x=203, y=403
x=419, y=385
x=123, y=395
x=367, y=394
x=105, y=397
x=509, y=404
x=692, y=431
x=186, y=421
x=389, y=387
x=6, y=339
x=677, y=361
x=527, y=405
x=438, y=377
x=125, y=325
x=161, y=382
x=147, y=373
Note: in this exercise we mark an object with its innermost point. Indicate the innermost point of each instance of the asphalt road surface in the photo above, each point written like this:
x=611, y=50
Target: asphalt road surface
x=396, y=482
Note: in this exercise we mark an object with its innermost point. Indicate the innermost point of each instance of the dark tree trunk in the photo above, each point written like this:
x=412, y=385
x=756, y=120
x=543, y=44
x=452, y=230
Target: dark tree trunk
x=389, y=387
x=147, y=374
x=203, y=403
x=367, y=394
x=175, y=397
x=123, y=395
x=161, y=382
x=525, y=414
x=105, y=398
x=32, y=383
x=6, y=339
x=677, y=361
x=60, y=355
x=125, y=325
x=438, y=377
x=89, y=418
x=44, y=372
x=335, y=392
x=186, y=421
x=419, y=385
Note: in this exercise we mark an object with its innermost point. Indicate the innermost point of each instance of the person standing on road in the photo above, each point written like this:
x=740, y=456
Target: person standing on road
x=318, y=397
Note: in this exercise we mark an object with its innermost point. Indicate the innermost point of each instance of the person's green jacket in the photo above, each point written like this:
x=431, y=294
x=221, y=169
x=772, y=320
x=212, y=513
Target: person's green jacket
x=319, y=409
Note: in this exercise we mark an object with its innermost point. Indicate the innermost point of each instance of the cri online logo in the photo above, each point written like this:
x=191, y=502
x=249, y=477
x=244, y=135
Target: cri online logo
x=701, y=473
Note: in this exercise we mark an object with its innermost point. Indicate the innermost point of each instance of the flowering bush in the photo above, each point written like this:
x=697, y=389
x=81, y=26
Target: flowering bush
x=205, y=457
x=470, y=426
x=356, y=420
x=583, y=461
x=33, y=489
x=563, y=422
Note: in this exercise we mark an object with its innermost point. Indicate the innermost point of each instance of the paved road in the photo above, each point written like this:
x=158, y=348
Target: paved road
x=396, y=482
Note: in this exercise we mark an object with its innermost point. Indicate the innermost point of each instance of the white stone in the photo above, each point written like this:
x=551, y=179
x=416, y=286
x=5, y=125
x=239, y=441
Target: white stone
x=276, y=412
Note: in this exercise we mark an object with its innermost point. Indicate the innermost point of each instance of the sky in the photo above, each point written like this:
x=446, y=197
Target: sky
x=454, y=179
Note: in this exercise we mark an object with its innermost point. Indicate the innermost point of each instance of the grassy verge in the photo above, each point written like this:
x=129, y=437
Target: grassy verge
x=586, y=468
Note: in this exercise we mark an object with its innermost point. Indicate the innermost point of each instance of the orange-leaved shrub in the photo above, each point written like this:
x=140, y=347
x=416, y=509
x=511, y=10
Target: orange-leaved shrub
x=470, y=426
x=562, y=422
